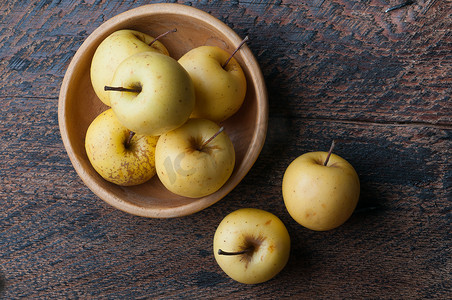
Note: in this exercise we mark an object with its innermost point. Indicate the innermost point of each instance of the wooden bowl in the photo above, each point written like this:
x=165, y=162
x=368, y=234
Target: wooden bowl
x=78, y=106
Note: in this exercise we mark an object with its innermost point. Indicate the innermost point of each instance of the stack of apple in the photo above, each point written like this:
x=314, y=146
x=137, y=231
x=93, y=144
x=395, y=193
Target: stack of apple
x=163, y=113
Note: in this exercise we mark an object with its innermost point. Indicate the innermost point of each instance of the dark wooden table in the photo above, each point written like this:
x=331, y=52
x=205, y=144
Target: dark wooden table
x=378, y=82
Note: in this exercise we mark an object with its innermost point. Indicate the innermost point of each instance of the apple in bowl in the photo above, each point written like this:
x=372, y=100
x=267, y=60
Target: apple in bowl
x=79, y=105
x=151, y=93
x=117, y=154
x=196, y=159
x=112, y=51
x=219, y=81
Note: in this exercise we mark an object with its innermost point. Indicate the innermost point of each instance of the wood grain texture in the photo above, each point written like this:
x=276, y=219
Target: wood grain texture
x=380, y=83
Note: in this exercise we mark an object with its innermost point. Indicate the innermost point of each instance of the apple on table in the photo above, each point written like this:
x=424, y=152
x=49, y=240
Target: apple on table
x=251, y=245
x=113, y=50
x=320, y=190
x=117, y=154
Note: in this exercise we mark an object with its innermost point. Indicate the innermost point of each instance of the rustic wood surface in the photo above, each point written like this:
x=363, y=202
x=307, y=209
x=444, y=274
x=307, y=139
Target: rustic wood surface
x=378, y=82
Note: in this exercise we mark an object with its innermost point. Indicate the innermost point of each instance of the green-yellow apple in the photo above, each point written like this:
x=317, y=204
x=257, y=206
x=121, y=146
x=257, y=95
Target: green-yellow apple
x=112, y=51
x=220, y=90
x=320, y=190
x=251, y=245
x=151, y=93
x=196, y=159
x=117, y=154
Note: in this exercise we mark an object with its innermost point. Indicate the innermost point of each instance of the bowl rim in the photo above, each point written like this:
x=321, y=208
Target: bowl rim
x=257, y=140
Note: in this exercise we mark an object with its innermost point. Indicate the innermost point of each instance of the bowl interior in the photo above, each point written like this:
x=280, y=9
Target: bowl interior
x=78, y=106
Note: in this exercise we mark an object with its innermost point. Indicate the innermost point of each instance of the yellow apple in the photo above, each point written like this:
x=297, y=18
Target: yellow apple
x=318, y=196
x=161, y=96
x=194, y=160
x=118, y=155
x=220, y=91
x=112, y=51
x=251, y=245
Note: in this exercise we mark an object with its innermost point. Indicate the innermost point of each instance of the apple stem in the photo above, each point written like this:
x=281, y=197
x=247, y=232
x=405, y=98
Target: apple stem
x=121, y=89
x=235, y=51
x=221, y=252
x=162, y=35
x=211, y=138
x=129, y=140
x=329, y=153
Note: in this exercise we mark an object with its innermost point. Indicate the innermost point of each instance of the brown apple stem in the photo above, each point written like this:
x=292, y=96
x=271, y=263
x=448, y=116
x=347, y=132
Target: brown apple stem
x=162, y=35
x=329, y=153
x=211, y=138
x=121, y=89
x=129, y=140
x=221, y=252
x=235, y=51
